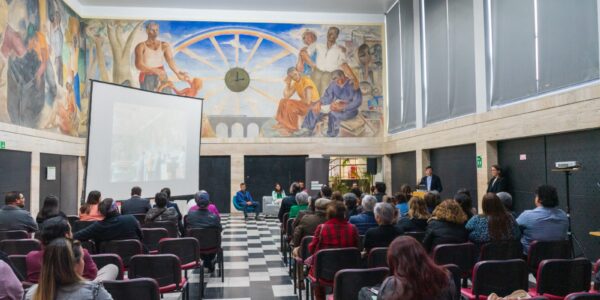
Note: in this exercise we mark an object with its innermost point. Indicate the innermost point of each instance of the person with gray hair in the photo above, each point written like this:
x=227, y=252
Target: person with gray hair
x=507, y=200
x=365, y=220
x=386, y=232
x=301, y=204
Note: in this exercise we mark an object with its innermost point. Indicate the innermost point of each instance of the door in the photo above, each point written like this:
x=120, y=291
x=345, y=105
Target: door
x=262, y=172
x=215, y=178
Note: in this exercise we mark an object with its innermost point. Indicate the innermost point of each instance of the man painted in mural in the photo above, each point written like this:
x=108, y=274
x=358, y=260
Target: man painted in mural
x=150, y=56
x=340, y=100
x=329, y=57
x=290, y=111
x=309, y=37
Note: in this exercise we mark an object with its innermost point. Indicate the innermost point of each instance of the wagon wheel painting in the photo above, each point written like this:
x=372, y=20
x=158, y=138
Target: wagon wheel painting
x=235, y=62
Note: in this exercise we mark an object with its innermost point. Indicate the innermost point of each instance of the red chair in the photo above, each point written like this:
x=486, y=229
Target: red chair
x=21, y=246
x=164, y=268
x=298, y=272
x=102, y=260
x=501, y=250
x=583, y=296
x=542, y=250
x=377, y=257
x=455, y=273
x=138, y=288
x=289, y=232
x=462, y=255
x=169, y=226
x=209, y=240
x=329, y=261
x=141, y=218
x=152, y=237
x=497, y=276
x=20, y=263
x=13, y=235
x=187, y=250
x=123, y=248
x=556, y=278
x=348, y=282
x=417, y=235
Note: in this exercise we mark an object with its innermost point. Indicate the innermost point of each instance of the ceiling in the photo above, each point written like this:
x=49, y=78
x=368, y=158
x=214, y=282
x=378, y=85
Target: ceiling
x=321, y=6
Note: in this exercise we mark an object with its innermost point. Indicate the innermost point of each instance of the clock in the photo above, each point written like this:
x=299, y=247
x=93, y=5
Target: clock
x=237, y=79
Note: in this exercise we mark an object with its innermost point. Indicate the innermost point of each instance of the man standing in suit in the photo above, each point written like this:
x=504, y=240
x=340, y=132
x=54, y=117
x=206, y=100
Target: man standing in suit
x=431, y=181
x=498, y=183
x=136, y=204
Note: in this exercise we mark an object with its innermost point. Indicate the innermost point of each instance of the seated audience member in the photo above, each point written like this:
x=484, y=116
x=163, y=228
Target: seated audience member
x=546, y=222
x=351, y=202
x=496, y=224
x=13, y=216
x=278, y=194
x=464, y=200
x=401, y=204
x=433, y=200
x=136, y=204
x=211, y=207
x=356, y=191
x=10, y=286
x=89, y=210
x=325, y=192
x=337, y=196
x=288, y=201
x=114, y=226
x=49, y=210
x=365, y=220
x=446, y=226
x=416, y=219
x=301, y=204
x=161, y=212
x=58, y=227
x=202, y=218
x=386, y=232
x=244, y=199
x=309, y=211
x=171, y=203
x=61, y=275
x=379, y=192
x=336, y=232
x=507, y=201
x=309, y=223
x=414, y=275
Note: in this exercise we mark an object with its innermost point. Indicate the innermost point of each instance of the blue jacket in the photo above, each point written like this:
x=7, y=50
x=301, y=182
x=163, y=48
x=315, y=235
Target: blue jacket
x=242, y=197
x=364, y=221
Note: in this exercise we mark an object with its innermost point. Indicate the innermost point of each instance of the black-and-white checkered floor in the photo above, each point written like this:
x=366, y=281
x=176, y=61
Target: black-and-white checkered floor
x=254, y=266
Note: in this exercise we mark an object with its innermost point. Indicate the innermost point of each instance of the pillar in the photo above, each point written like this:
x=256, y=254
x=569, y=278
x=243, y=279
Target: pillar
x=489, y=156
x=237, y=177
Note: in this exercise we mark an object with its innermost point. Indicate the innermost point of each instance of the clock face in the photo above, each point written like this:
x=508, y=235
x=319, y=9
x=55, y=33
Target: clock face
x=237, y=79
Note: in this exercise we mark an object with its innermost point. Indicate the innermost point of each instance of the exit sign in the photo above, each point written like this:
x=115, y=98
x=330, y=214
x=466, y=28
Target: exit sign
x=479, y=162
x=2, y=145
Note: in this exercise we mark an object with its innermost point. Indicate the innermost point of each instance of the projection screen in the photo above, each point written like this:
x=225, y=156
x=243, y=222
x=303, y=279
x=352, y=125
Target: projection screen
x=141, y=138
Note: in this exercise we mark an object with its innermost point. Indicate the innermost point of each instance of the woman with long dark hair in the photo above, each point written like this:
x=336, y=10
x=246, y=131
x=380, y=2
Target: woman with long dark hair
x=89, y=210
x=49, y=210
x=495, y=224
x=278, y=193
x=414, y=275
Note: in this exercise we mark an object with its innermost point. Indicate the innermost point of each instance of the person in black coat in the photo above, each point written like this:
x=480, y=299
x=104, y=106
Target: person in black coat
x=431, y=181
x=446, y=226
x=498, y=183
x=114, y=226
x=136, y=204
x=416, y=219
x=202, y=218
x=288, y=201
x=386, y=232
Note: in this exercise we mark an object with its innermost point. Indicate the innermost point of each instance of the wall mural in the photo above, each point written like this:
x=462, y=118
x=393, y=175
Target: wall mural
x=41, y=59
x=259, y=80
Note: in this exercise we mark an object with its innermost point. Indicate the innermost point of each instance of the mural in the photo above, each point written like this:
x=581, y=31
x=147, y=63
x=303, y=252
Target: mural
x=41, y=56
x=267, y=80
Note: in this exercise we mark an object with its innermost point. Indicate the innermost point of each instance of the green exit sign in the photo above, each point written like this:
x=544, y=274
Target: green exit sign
x=2, y=145
x=479, y=162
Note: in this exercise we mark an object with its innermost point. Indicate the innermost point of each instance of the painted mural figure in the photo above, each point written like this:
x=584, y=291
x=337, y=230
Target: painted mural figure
x=150, y=56
x=290, y=111
x=305, y=61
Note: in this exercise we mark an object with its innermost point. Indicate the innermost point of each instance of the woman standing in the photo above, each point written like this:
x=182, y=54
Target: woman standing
x=278, y=194
x=498, y=183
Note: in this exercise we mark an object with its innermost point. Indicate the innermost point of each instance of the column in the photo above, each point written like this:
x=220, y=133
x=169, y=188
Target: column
x=489, y=156
x=34, y=192
x=237, y=177
x=386, y=169
x=423, y=161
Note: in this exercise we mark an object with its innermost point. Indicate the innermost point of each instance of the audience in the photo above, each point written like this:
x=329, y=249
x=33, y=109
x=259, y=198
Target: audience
x=278, y=194
x=204, y=219
x=365, y=220
x=49, y=210
x=464, y=200
x=136, y=204
x=114, y=226
x=171, y=203
x=211, y=207
x=325, y=192
x=546, y=222
x=401, y=204
x=496, y=224
x=288, y=201
x=507, y=201
x=301, y=204
x=309, y=211
x=160, y=212
x=446, y=226
x=386, y=232
x=379, y=192
x=351, y=203
x=10, y=286
x=337, y=196
x=244, y=199
x=433, y=200
x=414, y=275
x=356, y=191
x=336, y=232
x=417, y=216
x=13, y=216
x=89, y=210
x=309, y=223
x=61, y=275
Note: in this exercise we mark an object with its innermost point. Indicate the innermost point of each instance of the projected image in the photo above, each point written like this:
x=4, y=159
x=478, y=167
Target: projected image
x=144, y=148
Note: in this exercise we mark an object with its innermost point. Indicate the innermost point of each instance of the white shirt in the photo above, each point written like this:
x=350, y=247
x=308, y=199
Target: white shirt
x=328, y=60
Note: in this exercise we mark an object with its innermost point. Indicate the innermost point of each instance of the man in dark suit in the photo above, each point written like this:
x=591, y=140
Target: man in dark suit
x=431, y=181
x=498, y=183
x=136, y=204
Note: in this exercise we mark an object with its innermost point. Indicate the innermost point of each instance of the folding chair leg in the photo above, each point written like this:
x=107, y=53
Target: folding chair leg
x=294, y=277
x=222, y=266
x=201, y=288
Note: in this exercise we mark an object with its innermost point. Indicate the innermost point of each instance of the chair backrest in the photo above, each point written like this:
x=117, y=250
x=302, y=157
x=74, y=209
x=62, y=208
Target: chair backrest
x=102, y=260
x=186, y=248
x=377, y=257
x=417, y=235
x=561, y=277
x=501, y=250
x=152, y=236
x=169, y=226
x=140, y=218
x=348, y=282
x=289, y=228
x=13, y=234
x=462, y=255
x=124, y=248
x=456, y=274
x=329, y=261
x=304, y=246
x=20, y=246
x=20, y=263
x=78, y=225
x=500, y=276
x=583, y=296
x=209, y=239
x=235, y=204
x=164, y=268
x=138, y=288
x=541, y=250
x=361, y=242
x=286, y=216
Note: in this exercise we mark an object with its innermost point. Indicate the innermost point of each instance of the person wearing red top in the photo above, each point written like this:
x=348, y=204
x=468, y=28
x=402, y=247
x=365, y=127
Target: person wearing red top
x=335, y=233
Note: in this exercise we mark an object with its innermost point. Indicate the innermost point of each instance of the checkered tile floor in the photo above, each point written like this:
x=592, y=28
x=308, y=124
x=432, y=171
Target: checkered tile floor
x=254, y=266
